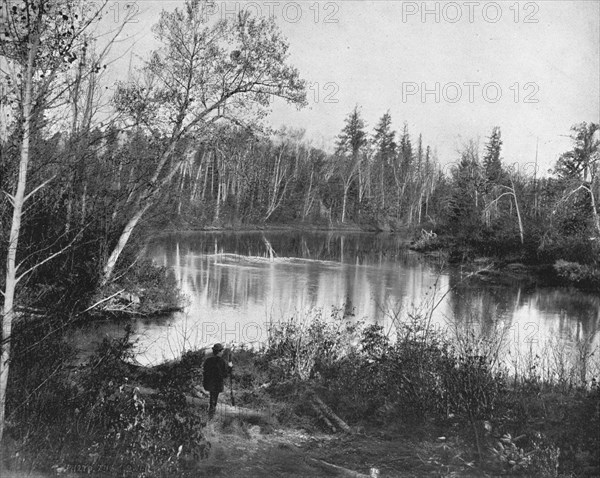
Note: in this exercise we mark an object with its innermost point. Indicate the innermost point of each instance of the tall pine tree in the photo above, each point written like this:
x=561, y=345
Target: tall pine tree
x=350, y=143
x=492, y=163
x=385, y=151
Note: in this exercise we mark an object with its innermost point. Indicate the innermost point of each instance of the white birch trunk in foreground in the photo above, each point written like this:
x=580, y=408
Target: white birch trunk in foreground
x=116, y=252
x=18, y=202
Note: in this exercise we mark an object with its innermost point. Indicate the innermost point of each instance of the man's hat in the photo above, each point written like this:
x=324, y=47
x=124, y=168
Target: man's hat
x=217, y=348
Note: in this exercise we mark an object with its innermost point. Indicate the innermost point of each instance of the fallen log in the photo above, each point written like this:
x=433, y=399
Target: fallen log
x=322, y=417
x=328, y=412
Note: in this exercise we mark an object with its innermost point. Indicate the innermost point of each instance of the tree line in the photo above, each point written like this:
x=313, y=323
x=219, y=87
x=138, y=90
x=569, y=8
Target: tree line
x=383, y=180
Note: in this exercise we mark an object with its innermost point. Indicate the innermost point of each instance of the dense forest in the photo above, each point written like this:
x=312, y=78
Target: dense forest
x=88, y=169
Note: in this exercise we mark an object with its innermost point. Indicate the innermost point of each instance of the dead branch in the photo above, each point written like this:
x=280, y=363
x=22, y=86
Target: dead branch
x=339, y=469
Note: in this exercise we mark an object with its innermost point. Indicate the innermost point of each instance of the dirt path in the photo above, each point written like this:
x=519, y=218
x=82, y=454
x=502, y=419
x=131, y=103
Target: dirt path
x=293, y=453
x=243, y=451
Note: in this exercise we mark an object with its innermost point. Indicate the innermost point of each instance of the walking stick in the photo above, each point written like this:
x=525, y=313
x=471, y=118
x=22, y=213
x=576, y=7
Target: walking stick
x=231, y=379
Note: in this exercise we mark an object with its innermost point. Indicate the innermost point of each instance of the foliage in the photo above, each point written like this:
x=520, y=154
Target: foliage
x=577, y=273
x=245, y=177
x=353, y=137
x=349, y=157
x=40, y=392
x=104, y=423
x=413, y=377
x=428, y=241
x=492, y=162
x=582, y=160
x=464, y=212
x=148, y=289
x=473, y=389
x=159, y=440
x=541, y=460
x=158, y=436
x=177, y=377
x=303, y=347
x=419, y=377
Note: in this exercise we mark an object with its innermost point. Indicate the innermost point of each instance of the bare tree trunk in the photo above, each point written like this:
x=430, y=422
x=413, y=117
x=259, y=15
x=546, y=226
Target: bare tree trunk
x=509, y=192
x=514, y=193
x=83, y=204
x=144, y=204
x=180, y=199
x=218, y=206
x=114, y=256
x=194, y=192
x=281, y=179
x=309, y=199
x=382, y=189
x=18, y=202
x=344, y=200
x=360, y=184
x=595, y=185
x=69, y=206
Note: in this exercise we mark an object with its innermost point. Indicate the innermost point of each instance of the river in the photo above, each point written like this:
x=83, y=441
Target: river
x=236, y=284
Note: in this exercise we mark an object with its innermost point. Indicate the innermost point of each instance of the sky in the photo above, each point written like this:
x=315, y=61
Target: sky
x=450, y=70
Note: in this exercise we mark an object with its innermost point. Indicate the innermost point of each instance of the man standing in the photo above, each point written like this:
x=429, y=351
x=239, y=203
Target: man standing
x=215, y=371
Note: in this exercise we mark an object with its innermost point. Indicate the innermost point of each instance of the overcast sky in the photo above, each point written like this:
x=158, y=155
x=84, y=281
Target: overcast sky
x=451, y=70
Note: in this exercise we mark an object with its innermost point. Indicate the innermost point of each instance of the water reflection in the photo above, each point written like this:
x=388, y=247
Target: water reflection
x=237, y=283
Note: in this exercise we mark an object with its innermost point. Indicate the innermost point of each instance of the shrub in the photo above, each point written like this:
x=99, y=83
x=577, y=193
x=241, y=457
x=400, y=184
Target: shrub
x=154, y=435
x=93, y=421
x=304, y=347
x=160, y=439
x=577, y=273
x=147, y=289
x=540, y=460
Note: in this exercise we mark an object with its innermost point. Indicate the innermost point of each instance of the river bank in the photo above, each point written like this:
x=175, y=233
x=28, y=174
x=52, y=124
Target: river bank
x=389, y=433
x=334, y=227
x=510, y=262
x=316, y=405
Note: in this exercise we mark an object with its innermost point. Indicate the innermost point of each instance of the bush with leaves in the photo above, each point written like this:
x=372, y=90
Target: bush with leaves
x=143, y=289
x=158, y=439
x=578, y=273
x=303, y=347
x=540, y=460
x=122, y=429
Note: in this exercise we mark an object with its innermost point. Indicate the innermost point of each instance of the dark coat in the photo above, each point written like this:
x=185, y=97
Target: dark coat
x=215, y=371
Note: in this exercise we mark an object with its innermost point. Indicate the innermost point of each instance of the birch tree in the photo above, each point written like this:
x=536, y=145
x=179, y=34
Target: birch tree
x=39, y=42
x=511, y=192
x=203, y=73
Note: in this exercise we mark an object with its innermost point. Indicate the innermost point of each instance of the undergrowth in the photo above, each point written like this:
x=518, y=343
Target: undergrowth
x=97, y=418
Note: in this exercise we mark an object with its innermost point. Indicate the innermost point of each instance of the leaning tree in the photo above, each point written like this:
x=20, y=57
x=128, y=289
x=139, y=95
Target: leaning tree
x=204, y=72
